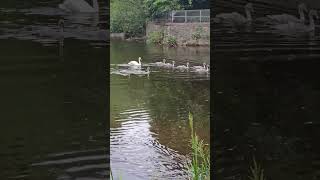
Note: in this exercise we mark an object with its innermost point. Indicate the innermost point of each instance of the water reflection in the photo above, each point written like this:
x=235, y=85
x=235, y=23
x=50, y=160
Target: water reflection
x=53, y=94
x=266, y=97
x=149, y=126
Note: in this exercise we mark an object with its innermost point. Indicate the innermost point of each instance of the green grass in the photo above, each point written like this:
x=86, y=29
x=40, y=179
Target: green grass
x=199, y=167
x=256, y=171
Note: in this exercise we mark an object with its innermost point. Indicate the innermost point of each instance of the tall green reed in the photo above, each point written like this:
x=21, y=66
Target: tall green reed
x=199, y=167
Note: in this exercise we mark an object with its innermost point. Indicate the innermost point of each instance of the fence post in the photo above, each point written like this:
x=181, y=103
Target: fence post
x=171, y=16
x=185, y=16
x=200, y=15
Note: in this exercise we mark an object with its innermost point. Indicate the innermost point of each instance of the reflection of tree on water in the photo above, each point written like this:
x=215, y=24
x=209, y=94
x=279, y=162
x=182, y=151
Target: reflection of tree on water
x=171, y=101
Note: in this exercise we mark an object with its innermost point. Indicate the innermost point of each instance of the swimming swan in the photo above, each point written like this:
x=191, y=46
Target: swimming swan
x=160, y=63
x=135, y=63
x=299, y=27
x=235, y=17
x=203, y=70
x=199, y=67
x=183, y=67
x=79, y=6
x=286, y=18
x=168, y=65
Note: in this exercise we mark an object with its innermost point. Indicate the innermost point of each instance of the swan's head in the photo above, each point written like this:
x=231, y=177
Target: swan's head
x=249, y=7
x=302, y=7
x=61, y=24
x=164, y=60
x=139, y=59
x=313, y=13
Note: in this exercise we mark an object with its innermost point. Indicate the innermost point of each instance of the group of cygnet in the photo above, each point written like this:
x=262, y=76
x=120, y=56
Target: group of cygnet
x=200, y=69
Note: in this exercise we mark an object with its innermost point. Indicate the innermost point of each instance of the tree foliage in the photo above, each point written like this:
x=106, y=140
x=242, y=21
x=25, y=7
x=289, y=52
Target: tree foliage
x=127, y=16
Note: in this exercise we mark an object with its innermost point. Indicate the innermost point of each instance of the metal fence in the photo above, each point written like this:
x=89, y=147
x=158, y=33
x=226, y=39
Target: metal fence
x=185, y=16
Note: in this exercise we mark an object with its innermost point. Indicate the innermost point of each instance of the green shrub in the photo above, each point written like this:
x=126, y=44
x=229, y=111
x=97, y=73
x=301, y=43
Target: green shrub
x=171, y=41
x=127, y=16
x=155, y=37
x=197, y=34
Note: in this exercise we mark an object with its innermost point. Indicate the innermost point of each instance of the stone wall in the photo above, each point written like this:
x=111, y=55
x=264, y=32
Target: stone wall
x=184, y=33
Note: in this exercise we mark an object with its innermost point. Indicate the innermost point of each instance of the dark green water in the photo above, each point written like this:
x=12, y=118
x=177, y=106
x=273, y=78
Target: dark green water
x=53, y=97
x=149, y=115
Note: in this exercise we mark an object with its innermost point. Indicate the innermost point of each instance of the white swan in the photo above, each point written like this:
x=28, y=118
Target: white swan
x=293, y=27
x=236, y=18
x=79, y=6
x=159, y=63
x=199, y=67
x=135, y=63
x=286, y=18
x=202, y=70
x=183, y=67
x=168, y=65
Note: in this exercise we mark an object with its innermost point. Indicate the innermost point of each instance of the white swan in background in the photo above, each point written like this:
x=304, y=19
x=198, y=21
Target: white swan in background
x=168, y=65
x=199, y=67
x=286, y=18
x=293, y=27
x=183, y=67
x=135, y=63
x=202, y=70
x=236, y=18
x=159, y=63
x=79, y=6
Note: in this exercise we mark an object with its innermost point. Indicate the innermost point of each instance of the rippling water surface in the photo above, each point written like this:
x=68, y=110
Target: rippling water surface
x=53, y=92
x=267, y=100
x=149, y=115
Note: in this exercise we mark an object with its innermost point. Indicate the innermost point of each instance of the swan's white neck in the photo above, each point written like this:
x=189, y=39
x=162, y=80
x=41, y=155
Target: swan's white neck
x=95, y=4
x=311, y=16
x=301, y=13
x=139, y=61
x=248, y=14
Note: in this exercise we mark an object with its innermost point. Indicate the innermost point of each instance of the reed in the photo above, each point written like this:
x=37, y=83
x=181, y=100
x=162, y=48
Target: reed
x=256, y=171
x=199, y=167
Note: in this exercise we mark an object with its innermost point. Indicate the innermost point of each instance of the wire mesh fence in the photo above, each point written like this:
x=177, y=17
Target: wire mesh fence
x=185, y=16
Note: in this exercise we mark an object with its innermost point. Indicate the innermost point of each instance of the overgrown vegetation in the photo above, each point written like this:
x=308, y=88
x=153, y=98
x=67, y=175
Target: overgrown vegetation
x=127, y=16
x=256, y=171
x=199, y=167
x=160, y=38
x=156, y=37
x=171, y=41
x=197, y=34
x=130, y=16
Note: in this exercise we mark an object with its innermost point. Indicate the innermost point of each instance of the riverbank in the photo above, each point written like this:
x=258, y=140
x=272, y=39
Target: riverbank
x=179, y=34
x=172, y=34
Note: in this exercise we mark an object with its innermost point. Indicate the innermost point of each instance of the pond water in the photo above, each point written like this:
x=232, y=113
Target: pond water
x=150, y=132
x=53, y=93
x=266, y=101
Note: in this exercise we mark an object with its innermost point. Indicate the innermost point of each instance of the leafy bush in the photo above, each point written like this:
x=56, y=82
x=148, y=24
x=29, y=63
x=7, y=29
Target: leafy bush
x=197, y=34
x=127, y=16
x=171, y=41
x=157, y=8
x=155, y=37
